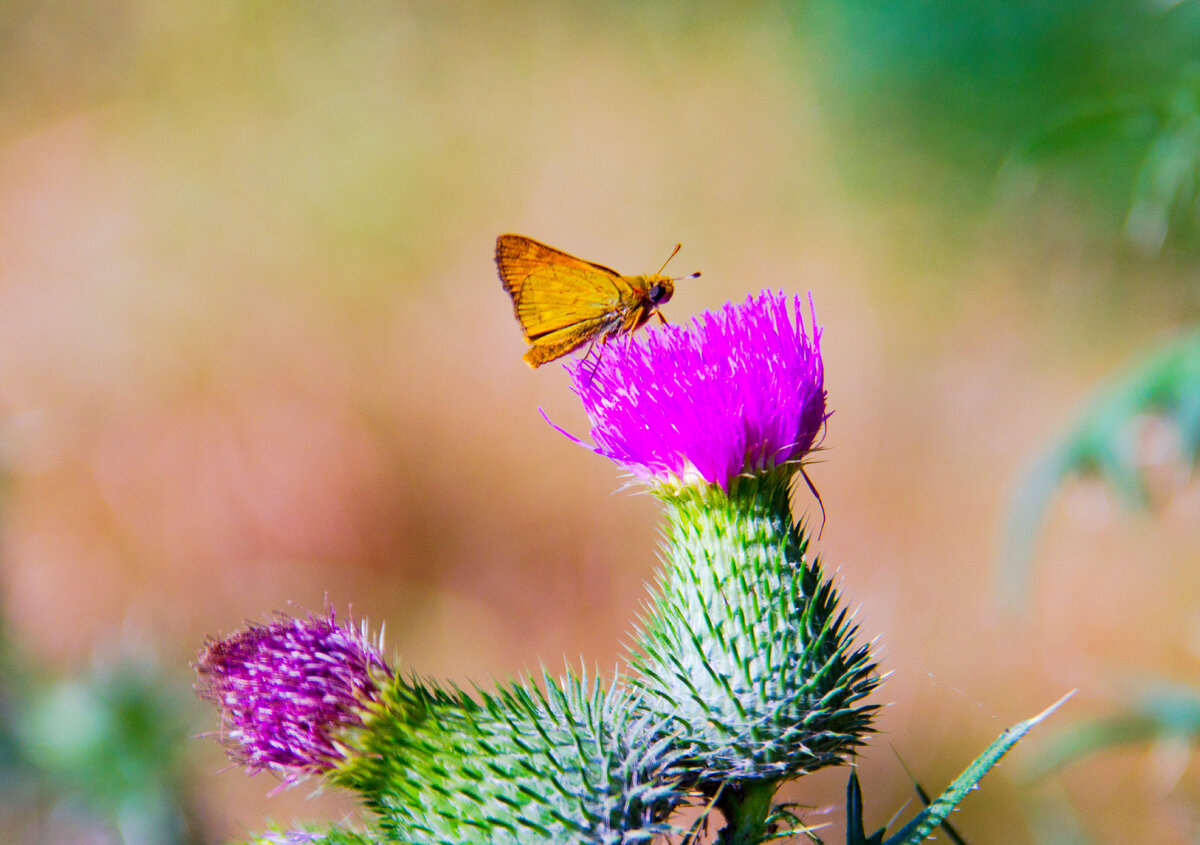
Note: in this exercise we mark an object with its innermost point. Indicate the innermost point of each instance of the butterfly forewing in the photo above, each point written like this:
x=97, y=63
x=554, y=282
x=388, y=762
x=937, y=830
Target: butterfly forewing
x=554, y=292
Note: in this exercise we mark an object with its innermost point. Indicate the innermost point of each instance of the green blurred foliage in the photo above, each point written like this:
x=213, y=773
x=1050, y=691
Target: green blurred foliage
x=938, y=98
x=1053, y=821
x=1154, y=713
x=100, y=754
x=1103, y=444
x=1157, y=711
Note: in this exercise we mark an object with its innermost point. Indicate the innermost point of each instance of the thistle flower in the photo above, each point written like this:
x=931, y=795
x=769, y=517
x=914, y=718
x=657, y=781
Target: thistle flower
x=286, y=691
x=738, y=391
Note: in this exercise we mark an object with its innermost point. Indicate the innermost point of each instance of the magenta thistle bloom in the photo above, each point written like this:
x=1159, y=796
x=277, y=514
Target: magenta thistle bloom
x=286, y=689
x=738, y=391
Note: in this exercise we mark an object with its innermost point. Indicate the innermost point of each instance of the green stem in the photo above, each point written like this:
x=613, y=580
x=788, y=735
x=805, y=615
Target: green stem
x=746, y=811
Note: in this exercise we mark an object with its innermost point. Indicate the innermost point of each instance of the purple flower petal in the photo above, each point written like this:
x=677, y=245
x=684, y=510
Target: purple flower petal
x=286, y=689
x=741, y=390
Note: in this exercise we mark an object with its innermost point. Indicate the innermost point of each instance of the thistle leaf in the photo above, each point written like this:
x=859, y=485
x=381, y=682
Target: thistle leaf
x=936, y=813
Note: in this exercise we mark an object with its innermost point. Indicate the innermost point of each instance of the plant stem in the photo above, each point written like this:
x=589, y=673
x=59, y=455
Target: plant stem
x=746, y=810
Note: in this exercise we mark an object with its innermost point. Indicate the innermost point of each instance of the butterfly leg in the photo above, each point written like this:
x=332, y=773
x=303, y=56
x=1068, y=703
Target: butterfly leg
x=595, y=360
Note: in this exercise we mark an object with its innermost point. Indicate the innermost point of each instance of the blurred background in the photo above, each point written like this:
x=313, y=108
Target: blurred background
x=254, y=357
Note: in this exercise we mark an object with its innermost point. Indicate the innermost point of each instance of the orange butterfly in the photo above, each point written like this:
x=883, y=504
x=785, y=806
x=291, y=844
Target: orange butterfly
x=563, y=302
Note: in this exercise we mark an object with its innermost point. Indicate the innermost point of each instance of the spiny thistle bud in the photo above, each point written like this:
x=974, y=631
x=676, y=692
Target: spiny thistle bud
x=288, y=691
x=745, y=644
x=571, y=765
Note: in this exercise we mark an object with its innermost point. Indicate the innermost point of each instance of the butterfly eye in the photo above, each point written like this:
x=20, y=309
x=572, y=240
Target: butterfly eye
x=656, y=293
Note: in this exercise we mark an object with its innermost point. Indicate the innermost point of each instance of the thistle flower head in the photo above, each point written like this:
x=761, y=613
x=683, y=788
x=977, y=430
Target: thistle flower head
x=286, y=690
x=738, y=391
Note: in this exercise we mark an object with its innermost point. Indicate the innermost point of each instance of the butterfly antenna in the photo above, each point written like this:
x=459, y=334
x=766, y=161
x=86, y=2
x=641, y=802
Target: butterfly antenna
x=674, y=252
x=808, y=481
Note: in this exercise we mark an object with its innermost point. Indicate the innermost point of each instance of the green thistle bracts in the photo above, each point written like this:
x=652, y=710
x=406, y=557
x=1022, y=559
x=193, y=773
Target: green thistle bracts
x=573, y=764
x=744, y=647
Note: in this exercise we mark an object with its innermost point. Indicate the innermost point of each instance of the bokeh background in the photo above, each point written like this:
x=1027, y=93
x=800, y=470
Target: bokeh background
x=254, y=357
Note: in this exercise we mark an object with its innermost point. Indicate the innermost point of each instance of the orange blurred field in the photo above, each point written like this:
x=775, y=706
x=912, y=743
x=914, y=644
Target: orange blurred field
x=254, y=356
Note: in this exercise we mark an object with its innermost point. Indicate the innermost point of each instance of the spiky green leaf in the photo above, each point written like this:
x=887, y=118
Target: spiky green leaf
x=936, y=813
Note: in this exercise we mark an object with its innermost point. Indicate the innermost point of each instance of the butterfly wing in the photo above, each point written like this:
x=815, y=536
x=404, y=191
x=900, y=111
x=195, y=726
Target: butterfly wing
x=558, y=299
x=554, y=345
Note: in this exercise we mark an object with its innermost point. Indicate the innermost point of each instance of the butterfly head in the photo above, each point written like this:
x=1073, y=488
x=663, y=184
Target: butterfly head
x=659, y=290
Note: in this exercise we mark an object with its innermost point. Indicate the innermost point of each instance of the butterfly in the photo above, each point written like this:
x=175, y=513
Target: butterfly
x=563, y=302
